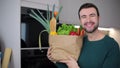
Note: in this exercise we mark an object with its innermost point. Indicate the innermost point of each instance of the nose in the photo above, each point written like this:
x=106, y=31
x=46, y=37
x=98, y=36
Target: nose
x=88, y=19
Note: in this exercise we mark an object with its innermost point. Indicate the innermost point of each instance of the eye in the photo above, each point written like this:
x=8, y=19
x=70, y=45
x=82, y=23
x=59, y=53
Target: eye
x=92, y=15
x=83, y=16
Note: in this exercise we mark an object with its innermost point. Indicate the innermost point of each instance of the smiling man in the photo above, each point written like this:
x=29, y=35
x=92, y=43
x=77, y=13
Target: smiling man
x=99, y=50
x=89, y=19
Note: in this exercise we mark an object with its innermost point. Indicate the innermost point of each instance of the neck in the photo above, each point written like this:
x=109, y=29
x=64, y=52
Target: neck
x=96, y=35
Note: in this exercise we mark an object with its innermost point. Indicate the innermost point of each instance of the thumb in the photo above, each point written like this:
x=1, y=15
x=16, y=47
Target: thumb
x=70, y=58
x=64, y=61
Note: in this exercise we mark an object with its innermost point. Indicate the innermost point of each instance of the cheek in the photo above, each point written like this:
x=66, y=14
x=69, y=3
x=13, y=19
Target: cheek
x=96, y=19
x=82, y=21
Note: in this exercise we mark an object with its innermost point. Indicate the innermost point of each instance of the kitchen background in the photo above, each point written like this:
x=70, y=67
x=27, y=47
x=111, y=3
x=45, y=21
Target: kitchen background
x=10, y=20
x=109, y=14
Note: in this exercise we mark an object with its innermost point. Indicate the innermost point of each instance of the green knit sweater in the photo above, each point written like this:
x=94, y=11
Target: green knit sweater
x=103, y=53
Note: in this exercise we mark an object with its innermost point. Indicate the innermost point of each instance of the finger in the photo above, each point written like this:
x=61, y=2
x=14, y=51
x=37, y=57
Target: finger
x=68, y=60
x=71, y=58
x=64, y=61
x=52, y=59
x=49, y=56
x=49, y=51
x=52, y=49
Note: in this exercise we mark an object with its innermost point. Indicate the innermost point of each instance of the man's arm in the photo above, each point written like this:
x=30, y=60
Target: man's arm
x=112, y=59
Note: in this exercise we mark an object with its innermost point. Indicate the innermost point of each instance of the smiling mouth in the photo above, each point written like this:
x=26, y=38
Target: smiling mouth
x=89, y=24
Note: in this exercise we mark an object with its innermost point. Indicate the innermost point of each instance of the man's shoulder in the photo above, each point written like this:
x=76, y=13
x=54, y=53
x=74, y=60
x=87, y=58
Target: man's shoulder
x=111, y=41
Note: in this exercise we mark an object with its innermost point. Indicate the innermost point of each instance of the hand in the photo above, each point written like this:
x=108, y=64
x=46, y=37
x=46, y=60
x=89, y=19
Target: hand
x=49, y=54
x=71, y=63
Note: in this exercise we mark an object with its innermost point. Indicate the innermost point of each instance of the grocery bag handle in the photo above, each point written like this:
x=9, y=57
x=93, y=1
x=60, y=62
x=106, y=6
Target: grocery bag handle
x=40, y=45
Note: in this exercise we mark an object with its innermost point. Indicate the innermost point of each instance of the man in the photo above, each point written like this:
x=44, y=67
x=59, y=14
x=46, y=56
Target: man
x=99, y=50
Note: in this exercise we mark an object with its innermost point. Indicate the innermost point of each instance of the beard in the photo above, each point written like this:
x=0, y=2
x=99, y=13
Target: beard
x=91, y=30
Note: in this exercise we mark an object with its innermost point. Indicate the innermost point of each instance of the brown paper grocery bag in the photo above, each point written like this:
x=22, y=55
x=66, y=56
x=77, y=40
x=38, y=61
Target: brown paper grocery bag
x=64, y=46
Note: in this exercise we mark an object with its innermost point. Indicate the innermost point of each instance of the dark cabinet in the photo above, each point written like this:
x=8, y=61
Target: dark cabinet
x=31, y=55
x=35, y=59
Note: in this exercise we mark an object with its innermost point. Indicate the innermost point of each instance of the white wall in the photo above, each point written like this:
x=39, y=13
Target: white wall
x=109, y=11
x=10, y=29
x=112, y=32
x=10, y=24
x=40, y=4
x=115, y=33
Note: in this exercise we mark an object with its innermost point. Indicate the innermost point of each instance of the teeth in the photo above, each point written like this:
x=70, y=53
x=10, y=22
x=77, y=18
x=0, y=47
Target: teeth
x=89, y=24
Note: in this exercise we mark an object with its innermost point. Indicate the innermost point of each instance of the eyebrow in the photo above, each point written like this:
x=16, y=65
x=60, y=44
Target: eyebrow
x=92, y=14
x=83, y=15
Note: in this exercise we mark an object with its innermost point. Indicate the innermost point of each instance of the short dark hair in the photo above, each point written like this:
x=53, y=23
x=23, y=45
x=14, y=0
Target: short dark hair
x=88, y=5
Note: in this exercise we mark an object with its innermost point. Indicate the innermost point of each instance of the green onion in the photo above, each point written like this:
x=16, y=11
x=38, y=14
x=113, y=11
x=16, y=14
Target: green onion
x=53, y=10
x=48, y=13
x=40, y=20
x=59, y=12
x=45, y=22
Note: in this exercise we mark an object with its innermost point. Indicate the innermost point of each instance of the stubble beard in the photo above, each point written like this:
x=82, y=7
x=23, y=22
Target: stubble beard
x=93, y=30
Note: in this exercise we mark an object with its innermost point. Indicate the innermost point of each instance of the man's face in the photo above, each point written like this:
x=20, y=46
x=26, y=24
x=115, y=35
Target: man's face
x=89, y=19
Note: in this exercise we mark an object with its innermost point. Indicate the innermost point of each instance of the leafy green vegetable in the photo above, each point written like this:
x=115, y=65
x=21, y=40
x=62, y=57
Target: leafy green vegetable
x=59, y=12
x=65, y=29
x=42, y=20
x=81, y=27
x=53, y=10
